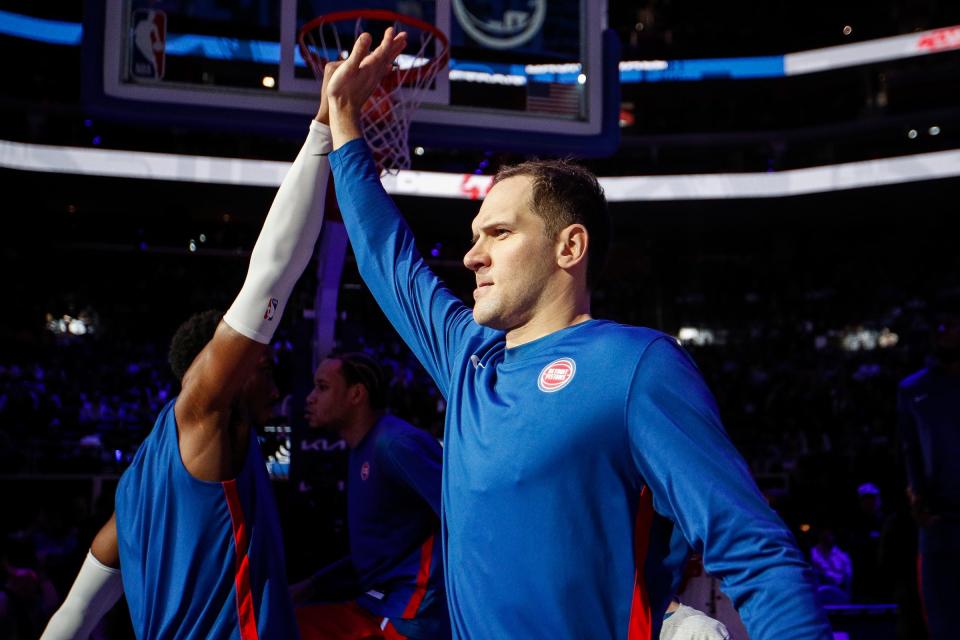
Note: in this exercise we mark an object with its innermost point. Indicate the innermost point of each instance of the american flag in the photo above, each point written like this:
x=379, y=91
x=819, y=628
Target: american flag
x=553, y=97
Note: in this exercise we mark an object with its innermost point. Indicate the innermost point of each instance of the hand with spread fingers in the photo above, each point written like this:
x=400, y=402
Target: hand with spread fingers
x=355, y=79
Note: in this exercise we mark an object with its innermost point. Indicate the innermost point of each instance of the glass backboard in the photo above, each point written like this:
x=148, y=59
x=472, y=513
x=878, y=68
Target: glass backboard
x=524, y=75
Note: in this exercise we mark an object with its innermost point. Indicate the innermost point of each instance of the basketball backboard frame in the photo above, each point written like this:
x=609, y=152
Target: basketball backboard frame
x=437, y=124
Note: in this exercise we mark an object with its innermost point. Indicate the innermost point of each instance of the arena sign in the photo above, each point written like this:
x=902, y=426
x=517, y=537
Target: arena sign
x=512, y=28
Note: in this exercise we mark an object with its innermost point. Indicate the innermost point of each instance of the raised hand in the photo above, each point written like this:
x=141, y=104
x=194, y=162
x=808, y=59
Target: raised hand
x=323, y=114
x=354, y=80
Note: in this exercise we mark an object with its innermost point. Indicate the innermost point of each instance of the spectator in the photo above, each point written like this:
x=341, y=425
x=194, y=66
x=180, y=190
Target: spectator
x=833, y=568
x=869, y=582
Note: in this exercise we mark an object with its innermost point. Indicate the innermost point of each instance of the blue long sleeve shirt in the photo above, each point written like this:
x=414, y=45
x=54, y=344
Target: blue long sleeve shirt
x=928, y=404
x=578, y=468
x=393, y=512
x=395, y=568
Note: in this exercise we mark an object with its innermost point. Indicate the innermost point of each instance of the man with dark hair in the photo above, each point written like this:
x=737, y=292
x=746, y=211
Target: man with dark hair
x=189, y=340
x=195, y=526
x=928, y=404
x=562, y=194
x=393, y=578
x=582, y=458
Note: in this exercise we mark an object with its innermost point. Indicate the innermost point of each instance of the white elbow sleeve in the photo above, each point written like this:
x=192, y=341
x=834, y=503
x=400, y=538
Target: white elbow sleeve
x=286, y=241
x=94, y=592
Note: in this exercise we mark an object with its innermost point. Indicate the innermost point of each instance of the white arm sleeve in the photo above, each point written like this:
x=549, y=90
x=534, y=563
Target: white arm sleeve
x=94, y=592
x=286, y=241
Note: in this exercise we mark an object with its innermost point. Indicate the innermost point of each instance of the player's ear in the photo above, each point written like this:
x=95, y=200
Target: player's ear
x=572, y=243
x=356, y=394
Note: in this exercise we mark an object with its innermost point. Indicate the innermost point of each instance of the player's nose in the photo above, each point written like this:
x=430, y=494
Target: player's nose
x=476, y=258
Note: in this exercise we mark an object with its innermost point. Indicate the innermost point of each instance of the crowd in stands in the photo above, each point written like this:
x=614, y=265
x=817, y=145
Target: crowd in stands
x=79, y=407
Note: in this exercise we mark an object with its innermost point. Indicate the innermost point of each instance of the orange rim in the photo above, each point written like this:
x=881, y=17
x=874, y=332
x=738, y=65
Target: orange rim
x=316, y=63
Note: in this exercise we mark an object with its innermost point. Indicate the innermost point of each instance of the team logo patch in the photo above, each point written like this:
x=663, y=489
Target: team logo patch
x=271, y=309
x=557, y=375
x=365, y=471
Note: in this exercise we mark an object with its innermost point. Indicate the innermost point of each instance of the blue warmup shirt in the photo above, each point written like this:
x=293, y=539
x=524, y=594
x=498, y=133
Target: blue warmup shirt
x=200, y=559
x=929, y=410
x=929, y=407
x=578, y=468
x=393, y=511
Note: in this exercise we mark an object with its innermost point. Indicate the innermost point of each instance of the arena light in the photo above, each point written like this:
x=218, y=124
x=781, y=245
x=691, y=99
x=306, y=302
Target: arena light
x=887, y=339
x=40, y=29
x=268, y=173
x=698, y=337
x=267, y=52
x=871, y=51
x=67, y=325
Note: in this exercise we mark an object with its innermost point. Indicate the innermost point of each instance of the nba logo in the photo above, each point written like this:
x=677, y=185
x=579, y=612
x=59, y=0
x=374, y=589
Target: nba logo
x=365, y=471
x=271, y=309
x=149, y=33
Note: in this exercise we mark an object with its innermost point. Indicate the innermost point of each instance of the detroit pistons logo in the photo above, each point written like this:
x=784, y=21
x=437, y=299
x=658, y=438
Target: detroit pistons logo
x=556, y=375
x=365, y=471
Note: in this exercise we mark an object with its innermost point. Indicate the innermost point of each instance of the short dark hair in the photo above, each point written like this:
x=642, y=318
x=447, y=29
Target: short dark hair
x=359, y=368
x=190, y=339
x=565, y=193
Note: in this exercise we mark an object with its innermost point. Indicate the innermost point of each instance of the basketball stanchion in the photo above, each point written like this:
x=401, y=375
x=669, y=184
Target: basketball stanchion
x=387, y=114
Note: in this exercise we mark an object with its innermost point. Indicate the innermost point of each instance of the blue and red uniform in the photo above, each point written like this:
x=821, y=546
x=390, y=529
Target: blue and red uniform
x=578, y=468
x=928, y=404
x=395, y=568
x=200, y=559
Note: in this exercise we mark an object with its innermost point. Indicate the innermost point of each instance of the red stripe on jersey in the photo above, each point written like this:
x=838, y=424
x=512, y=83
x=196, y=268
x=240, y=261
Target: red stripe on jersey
x=423, y=575
x=390, y=633
x=923, y=601
x=641, y=624
x=245, y=613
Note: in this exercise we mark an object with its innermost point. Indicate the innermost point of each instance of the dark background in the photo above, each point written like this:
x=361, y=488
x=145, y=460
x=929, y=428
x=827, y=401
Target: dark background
x=783, y=281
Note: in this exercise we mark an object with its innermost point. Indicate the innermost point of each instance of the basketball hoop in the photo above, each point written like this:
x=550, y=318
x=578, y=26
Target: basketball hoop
x=387, y=114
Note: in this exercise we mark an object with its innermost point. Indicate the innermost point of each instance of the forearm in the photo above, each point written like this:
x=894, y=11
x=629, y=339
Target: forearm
x=427, y=316
x=774, y=592
x=701, y=483
x=381, y=239
x=94, y=592
x=286, y=241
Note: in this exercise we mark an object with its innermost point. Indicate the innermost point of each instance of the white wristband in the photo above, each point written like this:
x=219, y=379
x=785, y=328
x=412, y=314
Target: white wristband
x=286, y=241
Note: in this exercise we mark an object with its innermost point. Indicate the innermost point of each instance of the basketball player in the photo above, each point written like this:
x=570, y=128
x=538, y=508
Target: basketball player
x=582, y=457
x=393, y=578
x=195, y=529
x=928, y=404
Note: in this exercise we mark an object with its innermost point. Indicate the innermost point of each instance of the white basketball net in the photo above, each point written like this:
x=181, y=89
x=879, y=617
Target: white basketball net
x=387, y=114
